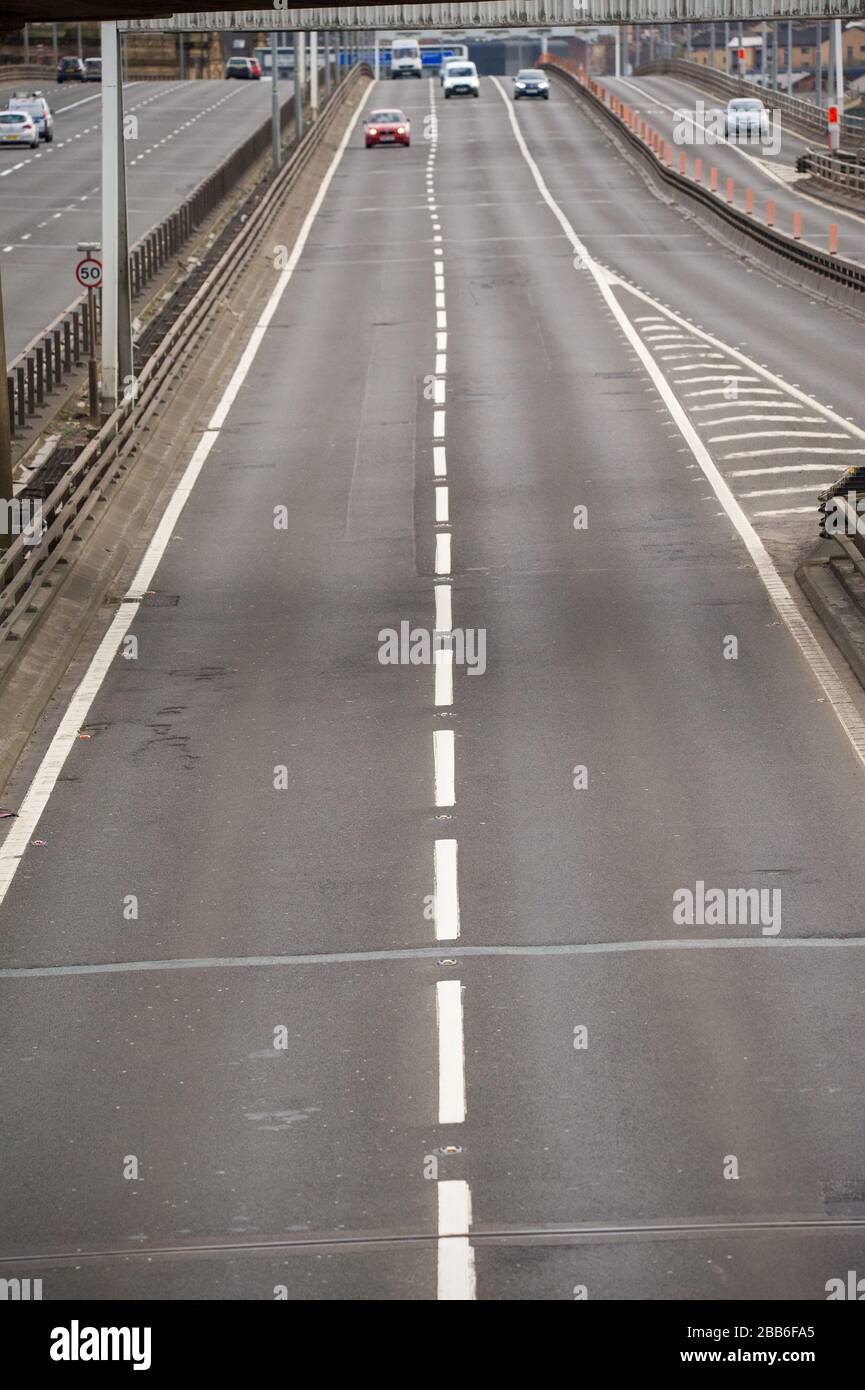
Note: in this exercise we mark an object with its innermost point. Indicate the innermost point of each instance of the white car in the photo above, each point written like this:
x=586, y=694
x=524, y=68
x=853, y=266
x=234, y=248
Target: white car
x=36, y=106
x=746, y=116
x=448, y=62
x=17, y=128
x=461, y=80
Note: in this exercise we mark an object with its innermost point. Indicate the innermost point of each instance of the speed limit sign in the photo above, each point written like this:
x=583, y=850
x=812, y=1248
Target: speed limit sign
x=89, y=273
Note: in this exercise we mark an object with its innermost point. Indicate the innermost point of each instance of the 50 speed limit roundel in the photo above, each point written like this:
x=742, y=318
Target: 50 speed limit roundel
x=89, y=273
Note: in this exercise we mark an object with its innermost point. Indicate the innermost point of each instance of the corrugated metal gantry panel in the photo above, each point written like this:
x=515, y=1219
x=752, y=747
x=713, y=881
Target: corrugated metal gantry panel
x=499, y=13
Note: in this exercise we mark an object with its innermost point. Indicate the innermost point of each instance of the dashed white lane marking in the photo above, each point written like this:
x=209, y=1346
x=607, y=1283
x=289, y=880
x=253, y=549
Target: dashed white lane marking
x=440, y=466
x=447, y=906
x=443, y=552
x=443, y=660
x=452, y=1082
x=821, y=667
x=438, y=424
x=444, y=608
x=456, y=1267
x=443, y=762
x=36, y=799
x=442, y=505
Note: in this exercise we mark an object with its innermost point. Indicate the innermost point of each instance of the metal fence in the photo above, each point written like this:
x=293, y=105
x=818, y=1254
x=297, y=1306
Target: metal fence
x=24, y=567
x=48, y=359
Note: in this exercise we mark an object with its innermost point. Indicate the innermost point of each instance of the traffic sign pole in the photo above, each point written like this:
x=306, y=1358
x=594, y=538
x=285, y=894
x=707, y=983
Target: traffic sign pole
x=6, y=488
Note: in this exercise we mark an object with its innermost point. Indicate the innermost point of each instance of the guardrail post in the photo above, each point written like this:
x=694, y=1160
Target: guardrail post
x=22, y=400
x=49, y=365
x=797, y=225
x=40, y=376
x=67, y=346
x=76, y=336
x=10, y=395
x=730, y=187
x=58, y=358
x=833, y=238
x=683, y=163
x=770, y=212
x=698, y=170
x=749, y=200
x=31, y=386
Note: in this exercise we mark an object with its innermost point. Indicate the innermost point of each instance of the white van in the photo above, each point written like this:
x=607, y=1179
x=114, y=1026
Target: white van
x=405, y=59
x=461, y=80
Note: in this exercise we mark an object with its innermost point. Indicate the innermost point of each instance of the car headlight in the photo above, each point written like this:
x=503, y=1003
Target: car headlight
x=372, y=130
x=400, y=130
x=519, y=84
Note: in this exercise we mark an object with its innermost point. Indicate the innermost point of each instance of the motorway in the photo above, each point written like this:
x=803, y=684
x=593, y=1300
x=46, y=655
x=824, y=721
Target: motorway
x=50, y=198
x=329, y=978
x=769, y=169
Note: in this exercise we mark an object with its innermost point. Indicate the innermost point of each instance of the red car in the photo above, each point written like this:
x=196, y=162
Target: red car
x=387, y=128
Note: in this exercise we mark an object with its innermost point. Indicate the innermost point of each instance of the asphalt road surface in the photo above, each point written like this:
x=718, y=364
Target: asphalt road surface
x=367, y=980
x=50, y=199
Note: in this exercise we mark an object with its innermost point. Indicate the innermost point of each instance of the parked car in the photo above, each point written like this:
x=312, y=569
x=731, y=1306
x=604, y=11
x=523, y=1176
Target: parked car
x=70, y=70
x=37, y=107
x=92, y=69
x=243, y=68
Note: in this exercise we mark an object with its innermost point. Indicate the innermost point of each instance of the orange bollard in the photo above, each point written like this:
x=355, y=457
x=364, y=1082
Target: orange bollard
x=713, y=179
x=833, y=238
x=797, y=225
x=683, y=163
x=670, y=154
x=730, y=186
x=749, y=200
x=698, y=170
x=770, y=212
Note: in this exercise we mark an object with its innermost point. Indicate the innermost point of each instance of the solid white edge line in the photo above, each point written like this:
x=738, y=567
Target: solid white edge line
x=796, y=624
x=45, y=778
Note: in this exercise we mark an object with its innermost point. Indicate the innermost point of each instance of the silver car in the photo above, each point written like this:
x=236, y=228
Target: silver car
x=746, y=116
x=17, y=128
x=39, y=111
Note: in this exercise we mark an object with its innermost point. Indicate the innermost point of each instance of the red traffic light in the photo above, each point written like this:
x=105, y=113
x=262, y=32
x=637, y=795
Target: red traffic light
x=741, y=55
x=833, y=115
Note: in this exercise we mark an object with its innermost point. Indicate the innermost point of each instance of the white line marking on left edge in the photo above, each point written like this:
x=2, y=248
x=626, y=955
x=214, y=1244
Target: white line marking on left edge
x=40, y=789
